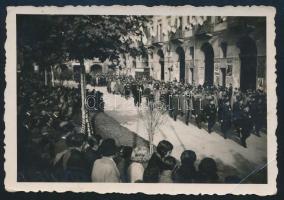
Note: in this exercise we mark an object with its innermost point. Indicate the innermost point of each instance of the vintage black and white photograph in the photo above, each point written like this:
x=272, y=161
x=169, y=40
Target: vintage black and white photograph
x=174, y=98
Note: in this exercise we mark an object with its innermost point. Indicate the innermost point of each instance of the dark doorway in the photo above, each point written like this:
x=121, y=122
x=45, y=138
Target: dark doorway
x=96, y=69
x=248, y=58
x=181, y=60
x=223, y=74
x=209, y=64
x=162, y=63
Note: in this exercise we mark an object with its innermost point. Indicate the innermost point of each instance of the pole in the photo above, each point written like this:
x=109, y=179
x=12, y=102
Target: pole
x=83, y=97
x=45, y=77
x=52, y=75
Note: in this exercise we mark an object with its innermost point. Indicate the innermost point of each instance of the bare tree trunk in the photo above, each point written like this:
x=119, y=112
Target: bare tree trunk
x=45, y=77
x=83, y=97
x=151, y=145
x=52, y=75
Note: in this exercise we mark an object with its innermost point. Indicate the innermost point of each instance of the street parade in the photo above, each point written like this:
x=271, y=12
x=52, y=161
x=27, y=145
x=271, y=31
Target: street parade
x=141, y=99
x=56, y=147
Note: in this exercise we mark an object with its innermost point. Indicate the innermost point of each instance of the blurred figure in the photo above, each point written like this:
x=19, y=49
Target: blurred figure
x=167, y=173
x=156, y=164
x=207, y=171
x=186, y=173
x=139, y=157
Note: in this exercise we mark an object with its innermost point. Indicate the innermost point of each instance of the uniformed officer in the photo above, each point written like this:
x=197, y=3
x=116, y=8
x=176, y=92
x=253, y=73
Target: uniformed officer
x=225, y=117
x=175, y=104
x=188, y=105
x=210, y=113
x=246, y=125
x=237, y=110
x=198, y=109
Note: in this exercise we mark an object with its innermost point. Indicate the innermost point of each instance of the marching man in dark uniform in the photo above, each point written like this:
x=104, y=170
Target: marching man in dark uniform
x=127, y=90
x=174, y=104
x=198, y=109
x=237, y=110
x=188, y=106
x=246, y=125
x=135, y=92
x=210, y=113
x=225, y=117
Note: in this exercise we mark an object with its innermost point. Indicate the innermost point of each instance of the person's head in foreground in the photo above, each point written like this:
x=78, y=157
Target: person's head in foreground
x=207, y=170
x=164, y=148
x=108, y=148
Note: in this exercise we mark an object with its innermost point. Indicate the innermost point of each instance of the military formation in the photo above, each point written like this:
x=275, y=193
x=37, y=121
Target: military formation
x=236, y=112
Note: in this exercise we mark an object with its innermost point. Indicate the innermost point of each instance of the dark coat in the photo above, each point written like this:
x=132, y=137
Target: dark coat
x=184, y=174
x=153, y=170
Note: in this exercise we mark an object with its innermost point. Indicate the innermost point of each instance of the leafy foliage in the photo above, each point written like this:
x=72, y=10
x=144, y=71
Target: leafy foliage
x=52, y=39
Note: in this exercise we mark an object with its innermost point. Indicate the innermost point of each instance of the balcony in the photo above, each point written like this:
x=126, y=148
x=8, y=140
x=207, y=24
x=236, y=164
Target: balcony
x=204, y=30
x=177, y=36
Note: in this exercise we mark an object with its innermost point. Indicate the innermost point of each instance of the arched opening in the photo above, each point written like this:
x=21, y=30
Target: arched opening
x=162, y=63
x=248, y=58
x=96, y=69
x=208, y=64
x=181, y=61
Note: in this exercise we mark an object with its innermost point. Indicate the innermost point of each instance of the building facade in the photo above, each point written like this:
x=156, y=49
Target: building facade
x=203, y=50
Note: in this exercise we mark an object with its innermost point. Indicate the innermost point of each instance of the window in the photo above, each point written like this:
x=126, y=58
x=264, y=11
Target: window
x=180, y=23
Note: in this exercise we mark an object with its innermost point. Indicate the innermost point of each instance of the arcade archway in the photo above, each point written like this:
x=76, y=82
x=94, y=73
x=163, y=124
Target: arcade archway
x=208, y=64
x=248, y=58
x=181, y=62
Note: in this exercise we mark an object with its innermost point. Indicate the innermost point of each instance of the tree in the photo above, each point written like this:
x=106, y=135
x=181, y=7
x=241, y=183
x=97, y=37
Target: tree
x=39, y=39
x=100, y=36
x=153, y=117
x=54, y=39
